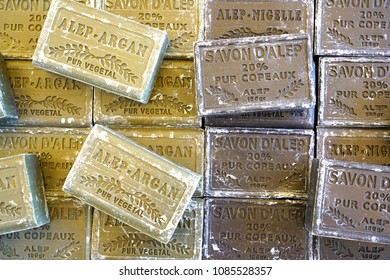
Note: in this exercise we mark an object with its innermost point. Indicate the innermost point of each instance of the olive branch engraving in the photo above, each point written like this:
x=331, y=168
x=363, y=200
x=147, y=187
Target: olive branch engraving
x=227, y=179
x=338, y=248
x=83, y=52
x=53, y=102
x=222, y=94
x=290, y=251
x=292, y=179
x=340, y=218
x=137, y=240
x=158, y=99
x=9, y=210
x=180, y=40
x=243, y=32
x=338, y=36
x=10, y=42
x=342, y=107
x=139, y=200
x=289, y=90
x=7, y=250
x=68, y=250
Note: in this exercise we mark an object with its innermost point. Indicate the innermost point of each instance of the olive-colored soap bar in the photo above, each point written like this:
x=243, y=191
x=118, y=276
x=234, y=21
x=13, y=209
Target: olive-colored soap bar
x=350, y=200
x=132, y=184
x=111, y=239
x=22, y=196
x=66, y=237
x=101, y=49
x=7, y=101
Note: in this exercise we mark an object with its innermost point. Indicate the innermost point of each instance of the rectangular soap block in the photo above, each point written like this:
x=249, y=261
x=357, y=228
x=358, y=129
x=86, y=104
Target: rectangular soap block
x=47, y=99
x=66, y=237
x=101, y=49
x=341, y=249
x=354, y=91
x=359, y=144
x=21, y=23
x=298, y=118
x=22, y=196
x=352, y=28
x=130, y=183
x=255, y=229
x=57, y=149
x=173, y=101
x=350, y=200
x=111, y=239
x=249, y=18
x=258, y=162
x=8, y=109
x=184, y=147
x=254, y=74
x=181, y=19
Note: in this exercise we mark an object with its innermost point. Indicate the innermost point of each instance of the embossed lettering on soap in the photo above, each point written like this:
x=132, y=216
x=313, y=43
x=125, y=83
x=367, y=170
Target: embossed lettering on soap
x=358, y=27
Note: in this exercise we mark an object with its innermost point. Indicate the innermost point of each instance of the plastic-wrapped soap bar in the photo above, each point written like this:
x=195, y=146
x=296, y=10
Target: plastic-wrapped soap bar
x=172, y=102
x=354, y=91
x=299, y=118
x=22, y=196
x=360, y=145
x=111, y=239
x=258, y=162
x=130, y=183
x=8, y=109
x=101, y=49
x=341, y=249
x=352, y=27
x=182, y=146
x=350, y=201
x=47, y=99
x=248, y=18
x=256, y=229
x=66, y=237
x=254, y=74
x=183, y=20
x=57, y=149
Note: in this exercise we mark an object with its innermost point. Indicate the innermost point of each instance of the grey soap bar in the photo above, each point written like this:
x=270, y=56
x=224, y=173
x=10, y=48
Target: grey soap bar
x=22, y=197
x=131, y=183
x=102, y=49
x=7, y=100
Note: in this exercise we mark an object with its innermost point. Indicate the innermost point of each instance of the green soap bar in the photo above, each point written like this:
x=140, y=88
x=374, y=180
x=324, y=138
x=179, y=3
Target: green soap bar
x=7, y=101
x=22, y=196
x=131, y=183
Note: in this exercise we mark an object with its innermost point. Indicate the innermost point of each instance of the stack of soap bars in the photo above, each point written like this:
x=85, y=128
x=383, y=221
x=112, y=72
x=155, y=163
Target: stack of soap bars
x=194, y=129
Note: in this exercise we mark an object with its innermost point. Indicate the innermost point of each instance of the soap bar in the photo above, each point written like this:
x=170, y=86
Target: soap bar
x=341, y=249
x=172, y=103
x=21, y=23
x=248, y=18
x=352, y=28
x=258, y=162
x=66, y=237
x=130, y=183
x=299, y=118
x=111, y=239
x=182, y=20
x=57, y=149
x=364, y=145
x=184, y=147
x=254, y=74
x=351, y=201
x=255, y=229
x=47, y=99
x=7, y=101
x=22, y=196
x=354, y=92
x=101, y=49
